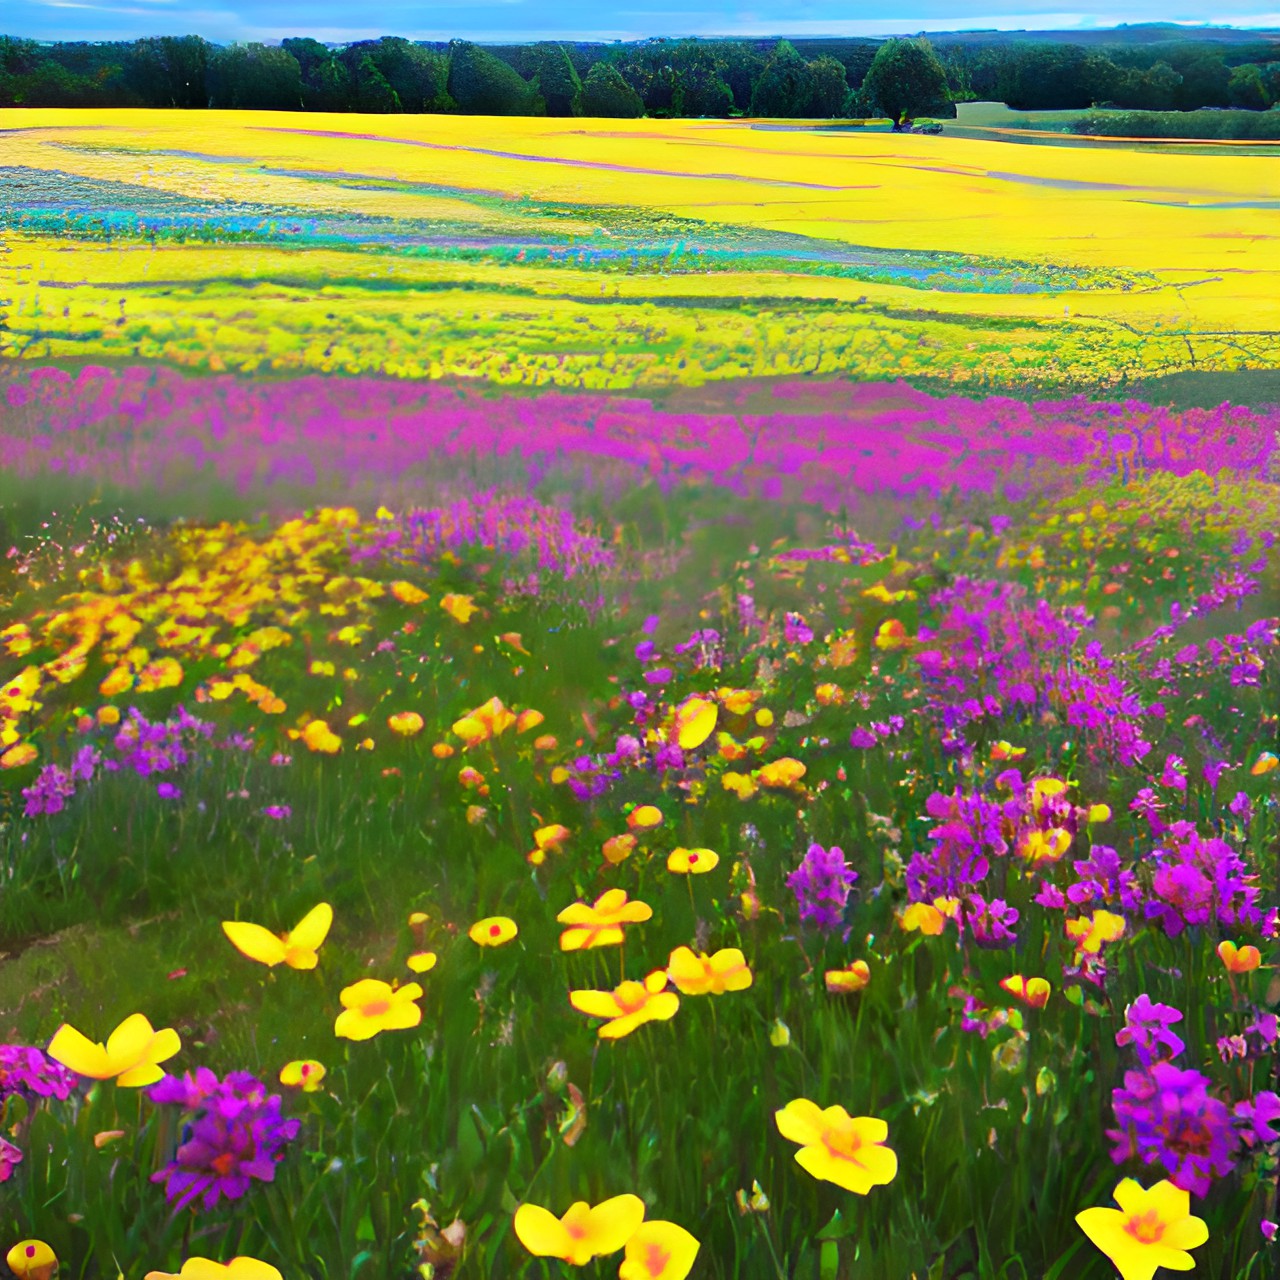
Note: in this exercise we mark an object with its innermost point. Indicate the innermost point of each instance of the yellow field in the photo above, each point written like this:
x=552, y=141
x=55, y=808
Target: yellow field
x=1175, y=259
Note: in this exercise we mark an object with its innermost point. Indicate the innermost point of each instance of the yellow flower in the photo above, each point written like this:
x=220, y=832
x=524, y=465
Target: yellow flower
x=764, y=717
x=1239, y=959
x=700, y=975
x=1152, y=1228
x=550, y=838
x=779, y=1034
x=405, y=723
x=1006, y=751
x=17, y=756
x=1098, y=813
x=1045, y=846
x=600, y=924
x=853, y=978
x=837, y=1147
x=493, y=931
x=32, y=1260
x=1264, y=764
x=422, y=961
x=892, y=635
x=319, y=737
x=583, y=1233
x=407, y=593
x=131, y=1055
x=695, y=862
x=644, y=817
x=1090, y=932
x=628, y=1005
x=207, y=1269
x=529, y=718
x=659, y=1251
x=1032, y=991
x=781, y=773
x=740, y=783
x=304, y=1073
x=459, y=608
x=297, y=948
x=920, y=915
x=370, y=1006
x=695, y=719
x=616, y=848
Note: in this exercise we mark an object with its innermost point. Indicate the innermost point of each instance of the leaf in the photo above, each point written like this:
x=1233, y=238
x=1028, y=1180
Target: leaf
x=360, y=1259
x=834, y=1229
x=365, y=1231
x=829, y=1258
x=470, y=1146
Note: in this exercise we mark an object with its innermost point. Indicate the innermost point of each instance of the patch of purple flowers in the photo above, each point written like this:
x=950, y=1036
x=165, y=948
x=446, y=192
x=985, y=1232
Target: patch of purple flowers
x=235, y=1134
x=821, y=884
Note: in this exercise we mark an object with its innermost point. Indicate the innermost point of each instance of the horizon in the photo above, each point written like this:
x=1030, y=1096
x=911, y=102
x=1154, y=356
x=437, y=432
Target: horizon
x=269, y=23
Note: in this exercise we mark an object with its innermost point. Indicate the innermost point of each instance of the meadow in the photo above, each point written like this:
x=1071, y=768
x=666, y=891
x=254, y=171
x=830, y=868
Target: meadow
x=666, y=698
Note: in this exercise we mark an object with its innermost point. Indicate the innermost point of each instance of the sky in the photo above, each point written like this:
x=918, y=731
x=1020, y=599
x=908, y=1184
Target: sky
x=499, y=20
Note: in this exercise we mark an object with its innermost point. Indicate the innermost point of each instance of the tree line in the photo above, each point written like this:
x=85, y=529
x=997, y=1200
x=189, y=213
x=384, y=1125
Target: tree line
x=661, y=78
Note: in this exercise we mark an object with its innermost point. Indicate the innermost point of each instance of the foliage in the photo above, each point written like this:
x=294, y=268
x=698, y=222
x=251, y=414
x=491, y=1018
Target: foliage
x=255, y=77
x=785, y=87
x=482, y=85
x=556, y=79
x=906, y=80
x=605, y=93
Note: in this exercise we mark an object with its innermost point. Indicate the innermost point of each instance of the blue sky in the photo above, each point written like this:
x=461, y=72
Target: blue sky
x=339, y=20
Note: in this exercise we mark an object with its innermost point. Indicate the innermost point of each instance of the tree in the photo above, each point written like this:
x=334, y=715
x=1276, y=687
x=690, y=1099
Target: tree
x=785, y=86
x=555, y=79
x=1204, y=77
x=254, y=77
x=416, y=75
x=374, y=93
x=326, y=80
x=1246, y=88
x=905, y=80
x=606, y=94
x=828, y=88
x=483, y=85
x=740, y=65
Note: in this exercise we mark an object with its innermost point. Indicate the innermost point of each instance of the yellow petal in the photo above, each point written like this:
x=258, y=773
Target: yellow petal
x=313, y=928
x=613, y=1222
x=541, y=1232
x=801, y=1121
x=254, y=941
x=77, y=1052
x=127, y=1044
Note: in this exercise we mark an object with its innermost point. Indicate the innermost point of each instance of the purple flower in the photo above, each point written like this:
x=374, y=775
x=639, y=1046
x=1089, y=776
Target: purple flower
x=991, y=922
x=1258, y=1115
x=1242, y=807
x=26, y=1070
x=821, y=884
x=1167, y=1116
x=862, y=738
x=277, y=811
x=49, y=793
x=1146, y=1028
x=795, y=630
x=167, y=791
x=235, y=1134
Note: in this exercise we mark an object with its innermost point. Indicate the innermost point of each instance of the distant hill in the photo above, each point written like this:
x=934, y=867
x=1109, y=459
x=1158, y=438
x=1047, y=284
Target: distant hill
x=1138, y=33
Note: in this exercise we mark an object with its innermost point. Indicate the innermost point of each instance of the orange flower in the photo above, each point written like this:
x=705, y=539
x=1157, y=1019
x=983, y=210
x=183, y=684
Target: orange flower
x=701, y=975
x=600, y=924
x=628, y=1005
x=616, y=848
x=1239, y=959
x=405, y=723
x=319, y=737
x=781, y=773
x=849, y=979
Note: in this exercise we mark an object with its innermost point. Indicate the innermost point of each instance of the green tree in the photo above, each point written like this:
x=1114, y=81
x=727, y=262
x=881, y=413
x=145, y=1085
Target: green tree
x=169, y=71
x=255, y=77
x=606, y=94
x=1246, y=89
x=374, y=93
x=740, y=65
x=1204, y=77
x=828, y=88
x=483, y=85
x=326, y=79
x=416, y=75
x=555, y=79
x=906, y=80
x=785, y=86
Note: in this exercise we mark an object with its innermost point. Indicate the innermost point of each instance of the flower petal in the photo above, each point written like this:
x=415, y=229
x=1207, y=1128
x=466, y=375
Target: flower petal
x=313, y=928
x=541, y=1232
x=613, y=1222
x=254, y=941
x=801, y=1121
x=77, y=1052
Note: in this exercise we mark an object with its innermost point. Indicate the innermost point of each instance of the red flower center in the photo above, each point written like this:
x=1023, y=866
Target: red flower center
x=376, y=1008
x=31, y=1251
x=495, y=930
x=693, y=857
x=223, y=1163
x=1145, y=1227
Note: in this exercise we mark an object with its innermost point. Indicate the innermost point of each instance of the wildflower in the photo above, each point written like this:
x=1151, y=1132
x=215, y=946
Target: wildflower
x=644, y=817
x=131, y=1055
x=441, y=750
x=370, y=1006
x=849, y=979
x=921, y=915
x=616, y=848
x=305, y=1074
x=422, y=961
x=600, y=924
x=821, y=884
x=277, y=811
x=892, y=635
x=628, y=1005
x=206, y=1269
x=700, y=975
x=1167, y=1115
x=695, y=720
x=493, y=931
x=659, y=1251
x=1152, y=1228
x=10, y=1158
x=32, y=1260
x=405, y=723
x=459, y=607
x=1239, y=959
x=837, y=1147
x=695, y=862
x=27, y=1072
x=779, y=1034
x=740, y=783
x=785, y=772
x=1265, y=762
x=297, y=948
x=1032, y=991
x=1090, y=933
x=758, y=1202
x=17, y=756
x=583, y=1233
x=319, y=737
x=236, y=1135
